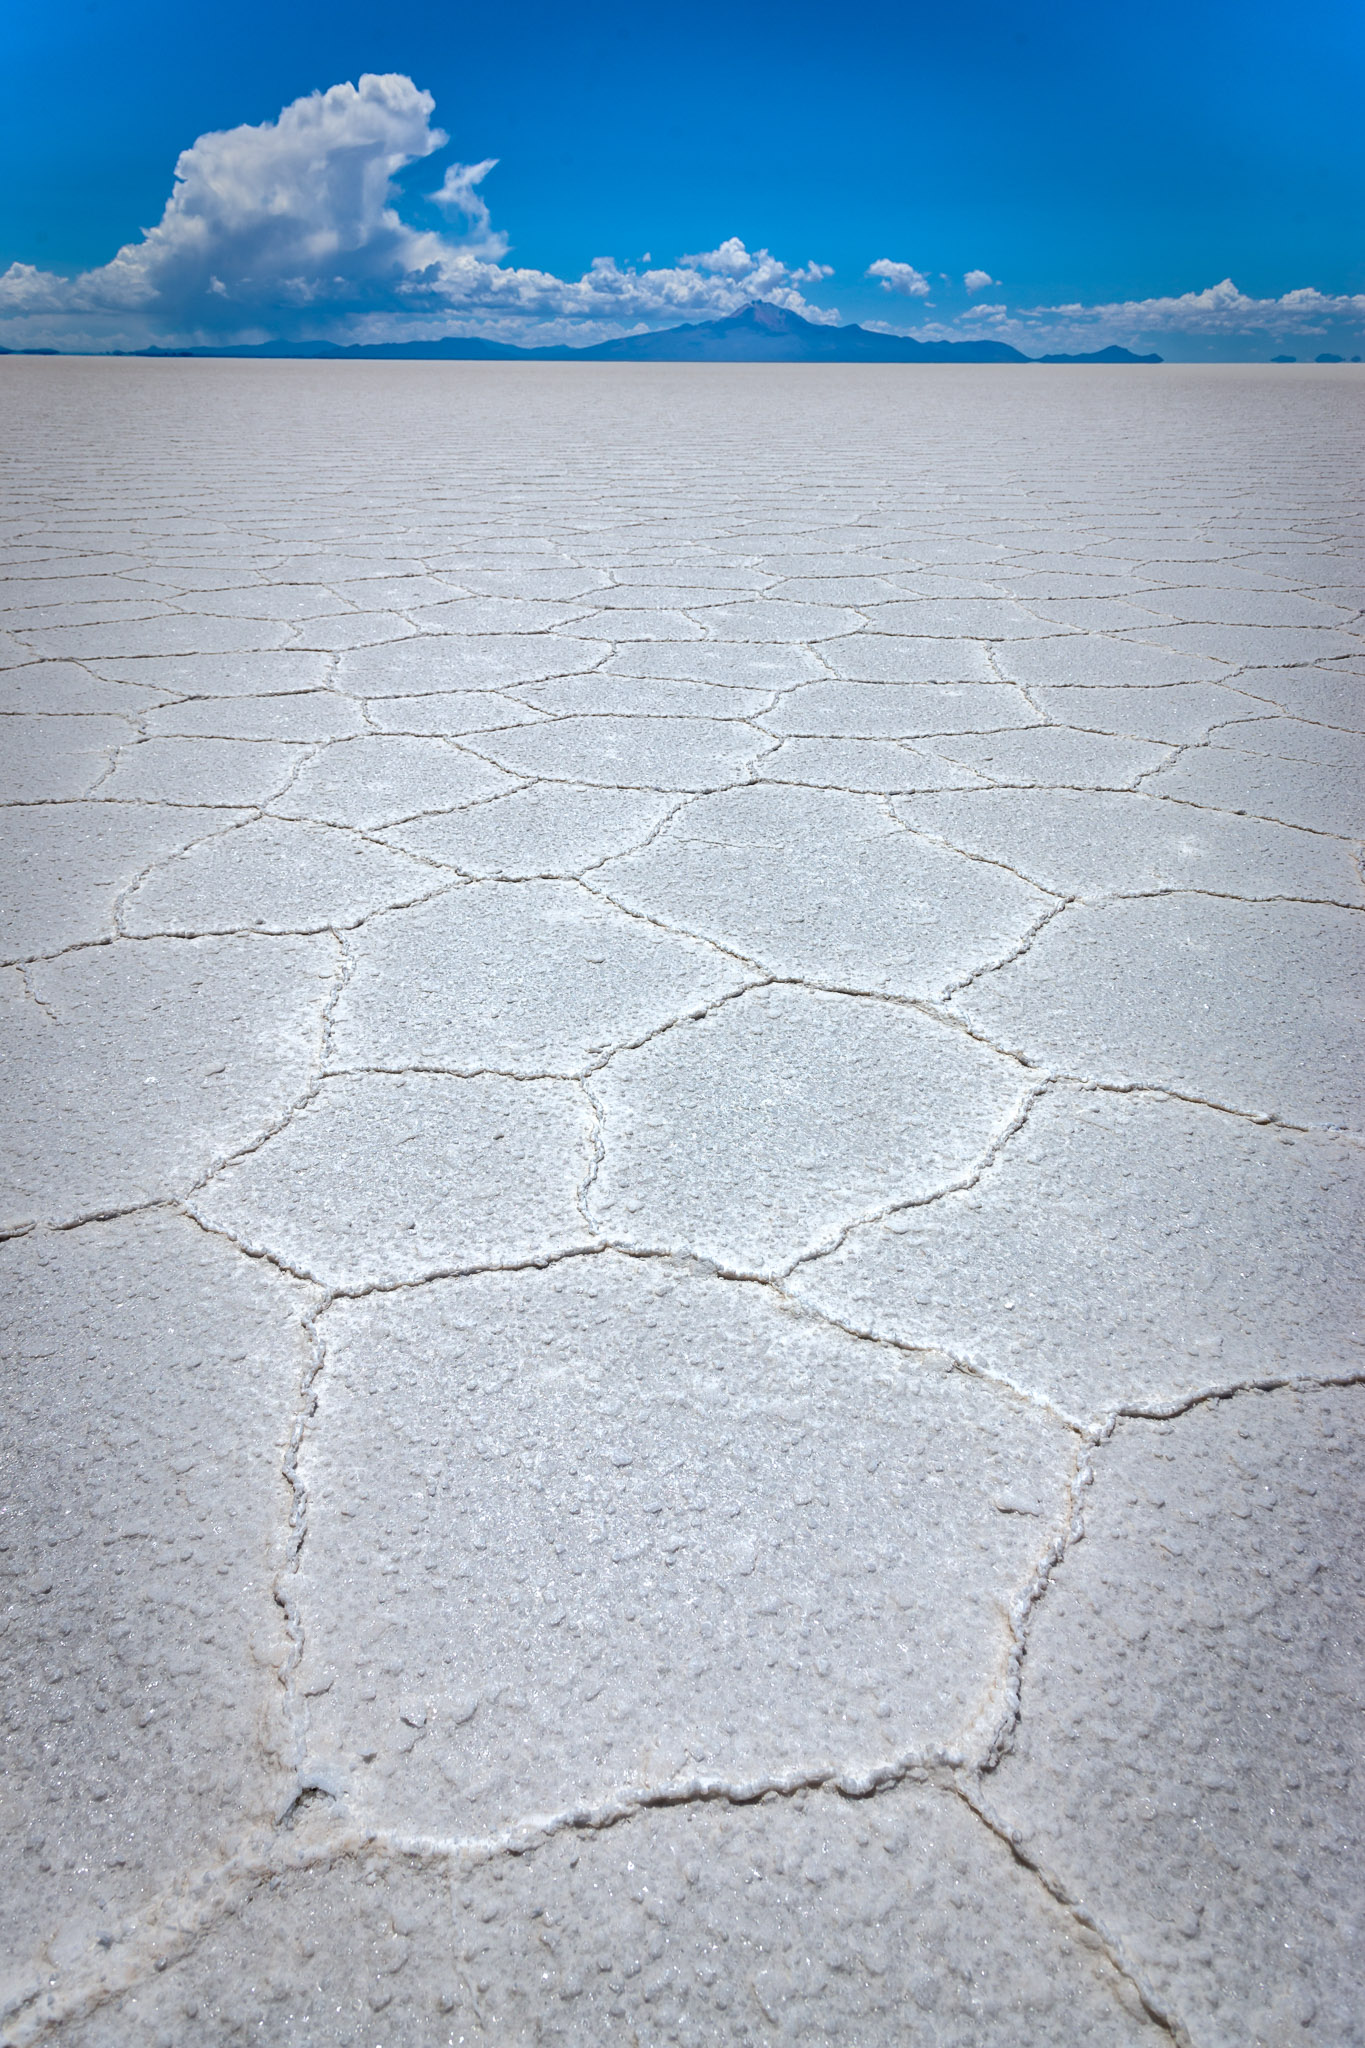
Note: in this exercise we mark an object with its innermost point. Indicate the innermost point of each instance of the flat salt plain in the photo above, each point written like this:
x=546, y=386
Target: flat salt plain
x=683, y=1174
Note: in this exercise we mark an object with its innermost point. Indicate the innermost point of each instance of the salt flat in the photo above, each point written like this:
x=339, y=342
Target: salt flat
x=682, y=1186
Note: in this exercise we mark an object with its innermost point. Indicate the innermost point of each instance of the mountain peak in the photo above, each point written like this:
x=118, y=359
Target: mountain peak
x=759, y=332
x=764, y=317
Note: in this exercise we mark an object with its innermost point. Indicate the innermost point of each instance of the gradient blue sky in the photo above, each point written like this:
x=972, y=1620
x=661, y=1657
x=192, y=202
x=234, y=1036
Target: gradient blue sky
x=1082, y=155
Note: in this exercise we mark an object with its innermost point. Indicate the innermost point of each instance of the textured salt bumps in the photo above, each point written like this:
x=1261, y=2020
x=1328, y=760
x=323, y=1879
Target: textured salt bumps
x=681, y=1230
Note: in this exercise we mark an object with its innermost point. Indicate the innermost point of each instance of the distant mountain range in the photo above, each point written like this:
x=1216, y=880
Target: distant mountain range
x=759, y=333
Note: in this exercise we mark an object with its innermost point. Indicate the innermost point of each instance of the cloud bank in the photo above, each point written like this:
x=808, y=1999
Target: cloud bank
x=293, y=229
x=1201, y=320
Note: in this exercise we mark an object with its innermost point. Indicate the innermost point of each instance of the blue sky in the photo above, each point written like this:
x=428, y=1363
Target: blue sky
x=1105, y=168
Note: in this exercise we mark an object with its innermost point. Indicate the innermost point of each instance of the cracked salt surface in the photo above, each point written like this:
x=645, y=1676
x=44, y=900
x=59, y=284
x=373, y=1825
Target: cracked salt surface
x=1080, y=1002
x=902, y=711
x=150, y=1377
x=1127, y=1250
x=667, y=1533
x=1108, y=842
x=276, y=875
x=683, y=1189
x=530, y=978
x=1212, y=1616
x=759, y=1132
x=823, y=886
x=540, y=830
x=134, y=1069
x=382, y=1179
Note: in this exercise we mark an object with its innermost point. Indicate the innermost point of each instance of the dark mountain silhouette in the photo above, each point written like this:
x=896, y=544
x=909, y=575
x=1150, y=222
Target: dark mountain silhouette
x=1100, y=355
x=763, y=333
x=452, y=348
x=759, y=333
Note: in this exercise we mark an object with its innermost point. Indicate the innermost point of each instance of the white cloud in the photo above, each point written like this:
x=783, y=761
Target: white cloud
x=1219, y=309
x=900, y=277
x=295, y=210
x=456, y=195
x=292, y=228
x=1218, y=319
x=761, y=274
x=731, y=259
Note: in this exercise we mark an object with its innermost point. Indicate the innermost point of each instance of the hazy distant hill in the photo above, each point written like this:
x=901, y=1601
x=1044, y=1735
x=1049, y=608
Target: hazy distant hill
x=1099, y=355
x=454, y=348
x=760, y=333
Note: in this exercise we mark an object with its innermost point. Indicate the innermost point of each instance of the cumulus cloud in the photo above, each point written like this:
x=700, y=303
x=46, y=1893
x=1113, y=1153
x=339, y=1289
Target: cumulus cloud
x=1219, y=309
x=900, y=277
x=732, y=259
x=293, y=227
x=291, y=212
x=762, y=275
x=1217, y=320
